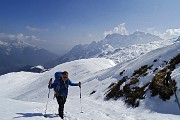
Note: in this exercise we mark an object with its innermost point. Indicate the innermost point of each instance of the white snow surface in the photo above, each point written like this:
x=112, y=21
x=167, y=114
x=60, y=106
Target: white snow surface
x=131, y=52
x=39, y=66
x=24, y=95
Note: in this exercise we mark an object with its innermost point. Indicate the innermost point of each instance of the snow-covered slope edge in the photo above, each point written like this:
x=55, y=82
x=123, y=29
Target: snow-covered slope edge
x=142, y=78
x=33, y=87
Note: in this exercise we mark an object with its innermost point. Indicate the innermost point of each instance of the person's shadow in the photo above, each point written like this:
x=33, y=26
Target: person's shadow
x=35, y=115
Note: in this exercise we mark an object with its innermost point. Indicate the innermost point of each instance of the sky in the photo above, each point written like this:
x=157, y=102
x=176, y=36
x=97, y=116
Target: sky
x=58, y=25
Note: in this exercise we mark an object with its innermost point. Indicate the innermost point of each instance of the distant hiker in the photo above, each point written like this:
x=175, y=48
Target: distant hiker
x=167, y=78
x=60, y=85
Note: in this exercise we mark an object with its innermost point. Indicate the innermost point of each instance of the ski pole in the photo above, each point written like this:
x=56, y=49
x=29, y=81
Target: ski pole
x=176, y=97
x=80, y=100
x=46, y=104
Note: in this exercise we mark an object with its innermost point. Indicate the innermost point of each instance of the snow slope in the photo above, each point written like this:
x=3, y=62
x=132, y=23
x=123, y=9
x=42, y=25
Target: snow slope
x=24, y=95
x=131, y=52
x=162, y=54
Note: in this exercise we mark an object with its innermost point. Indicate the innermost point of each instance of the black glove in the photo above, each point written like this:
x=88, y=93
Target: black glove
x=50, y=81
x=79, y=84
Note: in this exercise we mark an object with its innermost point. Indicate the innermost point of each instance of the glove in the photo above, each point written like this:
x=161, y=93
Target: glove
x=50, y=81
x=79, y=84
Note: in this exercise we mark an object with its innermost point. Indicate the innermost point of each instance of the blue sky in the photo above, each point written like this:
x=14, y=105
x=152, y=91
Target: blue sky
x=60, y=24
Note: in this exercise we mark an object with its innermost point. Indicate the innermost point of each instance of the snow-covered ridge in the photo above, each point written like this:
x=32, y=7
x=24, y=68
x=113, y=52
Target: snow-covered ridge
x=17, y=54
x=96, y=75
x=39, y=66
x=133, y=51
x=110, y=46
x=2, y=43
x=34, y=86
x=15, y=43
x=117, y=40
x=156, y=61
x=161, y=54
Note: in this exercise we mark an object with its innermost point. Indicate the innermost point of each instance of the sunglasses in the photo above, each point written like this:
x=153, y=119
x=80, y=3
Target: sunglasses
x=65, y=77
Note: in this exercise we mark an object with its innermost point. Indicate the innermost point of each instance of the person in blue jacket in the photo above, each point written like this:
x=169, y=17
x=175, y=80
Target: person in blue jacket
x=60, y=86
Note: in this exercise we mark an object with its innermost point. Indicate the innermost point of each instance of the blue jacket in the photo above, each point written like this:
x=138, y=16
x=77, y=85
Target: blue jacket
x=62, y=86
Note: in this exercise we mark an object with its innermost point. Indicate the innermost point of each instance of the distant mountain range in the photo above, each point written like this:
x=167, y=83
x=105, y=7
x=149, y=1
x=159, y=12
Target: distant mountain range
x=16, y=54
x=107, y=47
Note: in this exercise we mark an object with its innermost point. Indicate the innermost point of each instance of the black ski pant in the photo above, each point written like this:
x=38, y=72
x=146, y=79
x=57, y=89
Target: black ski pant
x=61, y=101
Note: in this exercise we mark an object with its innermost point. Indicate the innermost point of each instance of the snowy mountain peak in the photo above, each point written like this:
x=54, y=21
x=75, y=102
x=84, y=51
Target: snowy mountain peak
x=114, y=36
x=17, y=43
x=16, y=54
x=178, y=39
x=138, y=33
x=117, y=40
x=110, y=46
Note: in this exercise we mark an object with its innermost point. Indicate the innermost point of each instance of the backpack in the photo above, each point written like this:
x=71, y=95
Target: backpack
x=57, y=75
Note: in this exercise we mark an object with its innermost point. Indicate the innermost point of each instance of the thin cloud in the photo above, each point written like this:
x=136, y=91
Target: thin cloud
x=90, y=35
x=167, y=34
x=36, y=29
x=120, y=29
x=171, y=33
x=19, y=36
